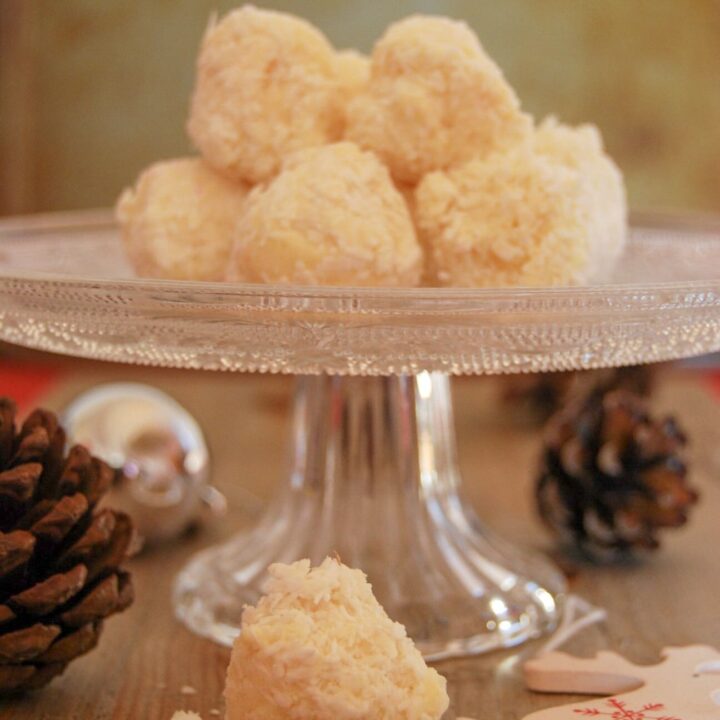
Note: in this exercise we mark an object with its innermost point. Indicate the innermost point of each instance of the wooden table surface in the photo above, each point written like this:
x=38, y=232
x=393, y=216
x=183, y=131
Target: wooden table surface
x=147, y=665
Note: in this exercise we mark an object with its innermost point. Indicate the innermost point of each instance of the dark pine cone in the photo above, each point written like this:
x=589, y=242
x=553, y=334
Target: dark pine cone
x=60, y=557
x=611, y=476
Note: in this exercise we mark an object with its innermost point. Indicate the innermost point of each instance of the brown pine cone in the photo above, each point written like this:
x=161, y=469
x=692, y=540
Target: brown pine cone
x=612, y=477
x=60, y=556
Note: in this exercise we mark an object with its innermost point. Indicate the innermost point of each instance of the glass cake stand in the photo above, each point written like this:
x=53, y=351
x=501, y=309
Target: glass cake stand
x=373, y=475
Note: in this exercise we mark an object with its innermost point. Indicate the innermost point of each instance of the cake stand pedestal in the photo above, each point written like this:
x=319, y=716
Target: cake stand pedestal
x=374, y=480
x=373, y=476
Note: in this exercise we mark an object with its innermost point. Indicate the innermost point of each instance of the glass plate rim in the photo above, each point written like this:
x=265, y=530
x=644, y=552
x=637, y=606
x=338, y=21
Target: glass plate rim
x=104, y=218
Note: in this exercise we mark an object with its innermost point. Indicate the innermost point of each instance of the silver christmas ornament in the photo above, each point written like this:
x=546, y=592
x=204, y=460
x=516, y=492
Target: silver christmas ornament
x=158, y=446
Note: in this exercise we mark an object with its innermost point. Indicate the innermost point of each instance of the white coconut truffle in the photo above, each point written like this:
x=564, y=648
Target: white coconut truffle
x=581, y=148
x=318, y=646
x=331, y=217
x=550, y=212
x=266, y=86
x=434, y=99
x=178, y=220
x=353, y=72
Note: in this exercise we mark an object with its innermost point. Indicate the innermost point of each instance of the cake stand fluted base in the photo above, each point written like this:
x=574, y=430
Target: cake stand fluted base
x=374, y=480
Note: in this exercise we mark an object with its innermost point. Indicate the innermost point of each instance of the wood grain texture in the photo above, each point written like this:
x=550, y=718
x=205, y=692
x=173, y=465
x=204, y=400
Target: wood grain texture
x=146, y=658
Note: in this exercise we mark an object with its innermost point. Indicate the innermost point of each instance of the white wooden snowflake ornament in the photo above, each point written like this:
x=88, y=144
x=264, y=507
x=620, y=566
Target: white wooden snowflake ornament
x=684, y=686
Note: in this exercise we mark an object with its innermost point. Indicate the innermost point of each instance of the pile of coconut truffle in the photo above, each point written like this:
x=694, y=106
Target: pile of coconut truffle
x=415, y=166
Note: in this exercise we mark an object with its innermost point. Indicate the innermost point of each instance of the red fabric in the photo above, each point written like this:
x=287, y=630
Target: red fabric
x=27, y=383
x=714, y=382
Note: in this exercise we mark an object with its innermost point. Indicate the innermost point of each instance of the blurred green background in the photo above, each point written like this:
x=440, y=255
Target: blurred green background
x=92, y=91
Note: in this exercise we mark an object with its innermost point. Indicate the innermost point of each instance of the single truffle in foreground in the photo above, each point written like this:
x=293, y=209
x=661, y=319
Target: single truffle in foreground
x=548, y=213
x=318, y=646
x=177, y=222
x=331, y=217
x=434, y=99
x=266, y=86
